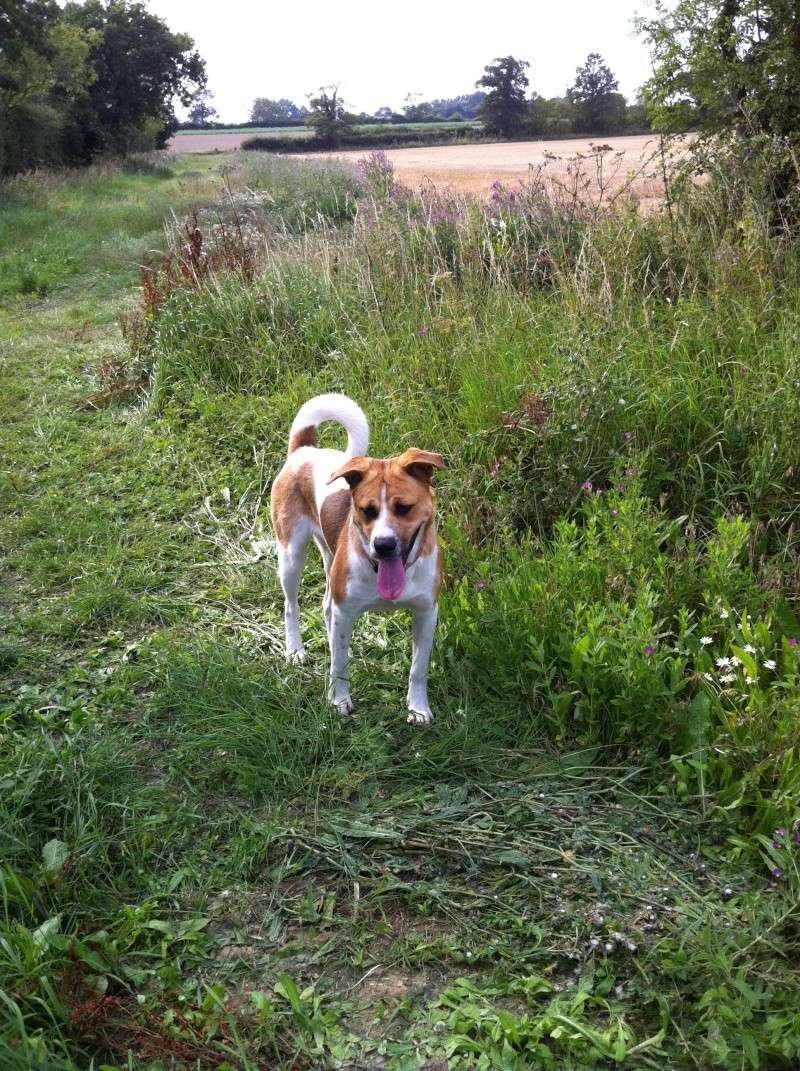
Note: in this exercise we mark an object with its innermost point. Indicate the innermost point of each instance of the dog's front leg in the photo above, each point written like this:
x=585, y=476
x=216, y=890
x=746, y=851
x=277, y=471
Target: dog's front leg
x=423, y=626
x=341, y=629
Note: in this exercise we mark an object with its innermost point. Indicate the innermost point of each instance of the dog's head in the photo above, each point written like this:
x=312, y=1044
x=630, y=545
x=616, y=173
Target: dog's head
x=392, y=507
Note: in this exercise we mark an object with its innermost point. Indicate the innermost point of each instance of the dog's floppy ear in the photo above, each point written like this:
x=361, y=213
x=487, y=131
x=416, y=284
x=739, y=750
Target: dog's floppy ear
x=353, y=470
x=420, y=463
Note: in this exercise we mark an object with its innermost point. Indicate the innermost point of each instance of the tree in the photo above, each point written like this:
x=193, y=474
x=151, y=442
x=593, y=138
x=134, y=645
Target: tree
x=141, y=67
x=732, y=68
x=266, y=112
x=44, y=72
x=504, y=109
x=417, y=112
x=202, y=112
x=592, y=94
x=328, y=118
x=727, y=66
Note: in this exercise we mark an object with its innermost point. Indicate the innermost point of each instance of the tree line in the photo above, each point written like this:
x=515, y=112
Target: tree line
x=591, y=105
x=92, y=77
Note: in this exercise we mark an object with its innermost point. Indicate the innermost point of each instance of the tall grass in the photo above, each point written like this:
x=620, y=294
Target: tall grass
x=618, y=396
x=591, y=857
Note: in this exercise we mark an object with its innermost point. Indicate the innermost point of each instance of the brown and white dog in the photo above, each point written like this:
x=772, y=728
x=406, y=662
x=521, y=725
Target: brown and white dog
x=374, y=523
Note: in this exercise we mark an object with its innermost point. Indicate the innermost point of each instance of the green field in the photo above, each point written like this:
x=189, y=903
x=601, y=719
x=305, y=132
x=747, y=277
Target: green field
x=590, y=860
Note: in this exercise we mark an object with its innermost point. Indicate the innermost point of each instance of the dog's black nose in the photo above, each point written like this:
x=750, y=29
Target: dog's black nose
x=385, y=546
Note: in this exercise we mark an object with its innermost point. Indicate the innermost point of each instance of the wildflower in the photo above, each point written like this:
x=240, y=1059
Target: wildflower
x=734, y=660
x=649, y=650
x=770, y=663
x=796, y=837
x=586, y=486
x=792, y=641
x=779, y=833
x=599, y=491
x=728, y=678
x=724, y=614
x=750, y=680
x=621, y=488
x=708, y=676
x=749, y=648
x=705, y=641
x=777, y=873
x=723, y=662
x=614, y=512
x=630, y=472
x=480, y=585
x=495, y=469
x=628, y=436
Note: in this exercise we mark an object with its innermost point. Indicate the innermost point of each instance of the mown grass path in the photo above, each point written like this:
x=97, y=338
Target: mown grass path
x=200, y=866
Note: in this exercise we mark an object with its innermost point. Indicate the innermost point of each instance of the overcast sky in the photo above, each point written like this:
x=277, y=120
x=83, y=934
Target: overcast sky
x=377, y=52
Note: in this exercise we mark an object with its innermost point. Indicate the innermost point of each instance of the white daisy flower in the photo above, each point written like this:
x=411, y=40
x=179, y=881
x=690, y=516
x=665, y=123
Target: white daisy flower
x=750, y=680
x=708, y=676
x=749, y=648
x=728, y=678
x=723, y=662
x=734, y=660
x=770, y=663
x=724, y=614
x=705, y=641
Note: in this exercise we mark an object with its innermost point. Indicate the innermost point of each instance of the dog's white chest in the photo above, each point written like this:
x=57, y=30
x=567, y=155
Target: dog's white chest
x=419, y=593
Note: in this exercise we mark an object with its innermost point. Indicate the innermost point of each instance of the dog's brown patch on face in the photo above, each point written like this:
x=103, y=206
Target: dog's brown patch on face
x=292, y=498
x=333, y=516
x=406, y=480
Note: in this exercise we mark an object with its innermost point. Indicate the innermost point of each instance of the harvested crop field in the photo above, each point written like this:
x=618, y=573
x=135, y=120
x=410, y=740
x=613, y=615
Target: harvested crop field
x=226, y=140
x=473, y=168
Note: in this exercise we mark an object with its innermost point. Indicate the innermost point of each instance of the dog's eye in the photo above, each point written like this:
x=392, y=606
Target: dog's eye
x=370, y=513
x=401, y=509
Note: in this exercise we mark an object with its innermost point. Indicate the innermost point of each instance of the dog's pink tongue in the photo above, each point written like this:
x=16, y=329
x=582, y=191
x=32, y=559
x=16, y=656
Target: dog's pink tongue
x=391, y=578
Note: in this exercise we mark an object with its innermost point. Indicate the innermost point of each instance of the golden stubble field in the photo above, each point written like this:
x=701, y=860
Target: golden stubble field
x=631, y=162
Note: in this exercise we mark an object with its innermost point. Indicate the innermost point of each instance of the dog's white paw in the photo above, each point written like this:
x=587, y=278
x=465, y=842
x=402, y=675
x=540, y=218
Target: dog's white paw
x=344, y=707
x=419, y=717
x=296, y=657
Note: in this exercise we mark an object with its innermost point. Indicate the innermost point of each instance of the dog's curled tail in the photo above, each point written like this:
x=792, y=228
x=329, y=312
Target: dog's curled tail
x=336, y=407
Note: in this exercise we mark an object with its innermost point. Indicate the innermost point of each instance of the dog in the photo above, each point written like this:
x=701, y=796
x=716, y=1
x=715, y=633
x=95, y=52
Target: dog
x=374, y=523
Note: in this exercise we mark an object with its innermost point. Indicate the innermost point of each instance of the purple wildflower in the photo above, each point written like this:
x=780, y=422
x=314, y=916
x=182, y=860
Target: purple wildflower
x=796, y=837
x=586, y=486
x=614, y=512
x=779, y=833
x=495, y=469
x=628, y=435
x=480, y=585
x=630, y=472
x=792, y=641
x=777, y=873
x=649, y=650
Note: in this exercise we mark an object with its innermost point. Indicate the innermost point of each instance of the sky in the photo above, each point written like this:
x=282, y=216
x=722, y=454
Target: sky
x=378, y=52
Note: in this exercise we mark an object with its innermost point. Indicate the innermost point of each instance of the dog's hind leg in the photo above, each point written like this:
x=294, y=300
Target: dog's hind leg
x=291, y=559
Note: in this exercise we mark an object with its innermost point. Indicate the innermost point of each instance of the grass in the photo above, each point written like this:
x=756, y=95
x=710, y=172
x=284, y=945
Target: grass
x=199, y=866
